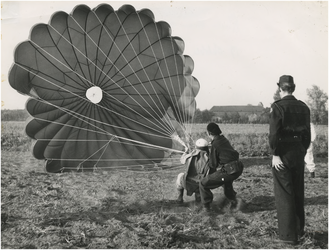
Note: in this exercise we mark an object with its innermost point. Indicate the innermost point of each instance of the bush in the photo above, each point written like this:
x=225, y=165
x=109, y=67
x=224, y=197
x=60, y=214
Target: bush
x=321, y=146
x=250, y=145
x=15, y=142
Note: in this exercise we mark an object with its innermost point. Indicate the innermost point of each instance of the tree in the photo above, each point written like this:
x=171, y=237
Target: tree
x=203, y=116
x=317, y=102
x=235, y=117
x=197, y=116
x=260, y=104
x=207, y=115
x=276, y=95
x=244, y=119
x=252, y=118
x=225, y=118
x=264, y=118
x=14, y=115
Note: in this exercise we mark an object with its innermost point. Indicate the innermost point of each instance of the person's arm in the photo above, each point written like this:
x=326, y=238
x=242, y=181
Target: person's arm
x=313, y=133
x=213, y=158
x=184, y=157
x=275, y=125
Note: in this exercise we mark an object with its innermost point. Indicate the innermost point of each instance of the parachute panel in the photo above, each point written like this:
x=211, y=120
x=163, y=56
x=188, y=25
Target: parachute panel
x=147, y=92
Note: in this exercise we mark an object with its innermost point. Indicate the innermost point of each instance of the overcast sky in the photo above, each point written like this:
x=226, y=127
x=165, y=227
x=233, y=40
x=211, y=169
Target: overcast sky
x=240, y=49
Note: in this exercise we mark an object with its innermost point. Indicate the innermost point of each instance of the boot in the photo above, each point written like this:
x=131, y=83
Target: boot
x=236, y=204
x=180, y=195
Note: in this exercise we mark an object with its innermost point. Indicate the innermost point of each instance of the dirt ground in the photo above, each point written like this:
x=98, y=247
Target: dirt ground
x=125, y=209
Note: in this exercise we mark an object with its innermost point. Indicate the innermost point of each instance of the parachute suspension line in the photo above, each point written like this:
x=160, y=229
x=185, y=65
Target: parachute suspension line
x=85, y=129
x=190, y=123
x=163, y=128
x=177, y=110
x=141, y=144
x=177, y=72
x=111, y=160
x=121, y=115
x=184, y=114
x=162, y=50
x=136, y=54
x=131, y=168
x=86, y=117
x=78, y=116
x=180, y=115
x=107, y=144
x=117, y=70
x=187, y=120
x=149, y=80
x=105, y=147
x=168, y=121
x=181, y=112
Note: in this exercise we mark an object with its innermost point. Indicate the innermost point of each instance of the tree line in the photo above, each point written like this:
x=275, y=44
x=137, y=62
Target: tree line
x=206, y=116
x=317, y=102
x=14, y=115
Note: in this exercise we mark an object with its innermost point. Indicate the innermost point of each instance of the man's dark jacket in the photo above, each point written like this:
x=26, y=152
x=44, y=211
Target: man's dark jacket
x=221, y=152
x=290, y=122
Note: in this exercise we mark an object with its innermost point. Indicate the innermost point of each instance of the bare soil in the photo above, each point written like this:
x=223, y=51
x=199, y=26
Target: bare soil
x=126, y=209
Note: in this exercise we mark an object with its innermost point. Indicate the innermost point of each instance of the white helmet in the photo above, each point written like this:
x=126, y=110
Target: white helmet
x=200, y=143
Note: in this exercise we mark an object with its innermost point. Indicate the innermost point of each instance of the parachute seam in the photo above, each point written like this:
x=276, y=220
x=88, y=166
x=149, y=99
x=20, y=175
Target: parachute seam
x=81, y=96
x=136, y=56
x=127, y=139
x=115, y=83
x=99, y=132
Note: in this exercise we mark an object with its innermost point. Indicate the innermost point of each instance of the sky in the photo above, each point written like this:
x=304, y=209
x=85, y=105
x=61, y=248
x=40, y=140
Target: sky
x=239, y=48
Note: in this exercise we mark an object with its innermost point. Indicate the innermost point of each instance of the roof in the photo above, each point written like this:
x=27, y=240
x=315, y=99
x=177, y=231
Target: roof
x=247, y=108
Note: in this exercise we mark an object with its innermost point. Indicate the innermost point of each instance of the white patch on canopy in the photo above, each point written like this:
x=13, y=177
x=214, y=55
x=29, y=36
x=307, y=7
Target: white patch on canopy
x=94, y=94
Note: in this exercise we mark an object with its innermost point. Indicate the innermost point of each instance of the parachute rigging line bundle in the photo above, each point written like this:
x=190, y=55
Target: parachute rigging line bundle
x=108, y=90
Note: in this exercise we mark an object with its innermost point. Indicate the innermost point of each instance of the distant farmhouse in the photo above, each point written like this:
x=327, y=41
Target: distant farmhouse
x=224, y=111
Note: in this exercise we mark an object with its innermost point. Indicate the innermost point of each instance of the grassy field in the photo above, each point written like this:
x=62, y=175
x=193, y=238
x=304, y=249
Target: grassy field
x=125, y=209
x=250, y=140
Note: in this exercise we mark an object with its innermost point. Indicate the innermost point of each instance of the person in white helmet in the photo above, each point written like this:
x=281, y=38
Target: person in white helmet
x=196, y=163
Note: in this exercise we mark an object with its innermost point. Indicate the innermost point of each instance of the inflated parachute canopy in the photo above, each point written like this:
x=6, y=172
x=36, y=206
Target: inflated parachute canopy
x=109, y=89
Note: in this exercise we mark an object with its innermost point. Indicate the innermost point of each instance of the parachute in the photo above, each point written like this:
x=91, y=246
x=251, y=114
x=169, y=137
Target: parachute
x=108, y=89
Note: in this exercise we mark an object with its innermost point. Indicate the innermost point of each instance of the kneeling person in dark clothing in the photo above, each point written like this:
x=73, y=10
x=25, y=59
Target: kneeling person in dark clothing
x=224, y=165
x=196, y=164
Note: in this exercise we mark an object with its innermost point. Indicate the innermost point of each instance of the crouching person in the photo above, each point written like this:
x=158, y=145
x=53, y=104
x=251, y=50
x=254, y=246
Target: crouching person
x=224, y=165
x=196, y=164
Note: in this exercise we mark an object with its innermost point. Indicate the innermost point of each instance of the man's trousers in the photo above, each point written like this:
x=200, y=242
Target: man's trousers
x=215, y=180
x=289, y=194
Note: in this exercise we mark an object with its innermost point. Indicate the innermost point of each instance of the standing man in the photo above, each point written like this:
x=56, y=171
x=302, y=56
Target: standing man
x=289, y=139
x=224, y=166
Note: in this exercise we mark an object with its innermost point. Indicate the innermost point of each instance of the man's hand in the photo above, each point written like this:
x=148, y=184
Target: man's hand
x=277, y=163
